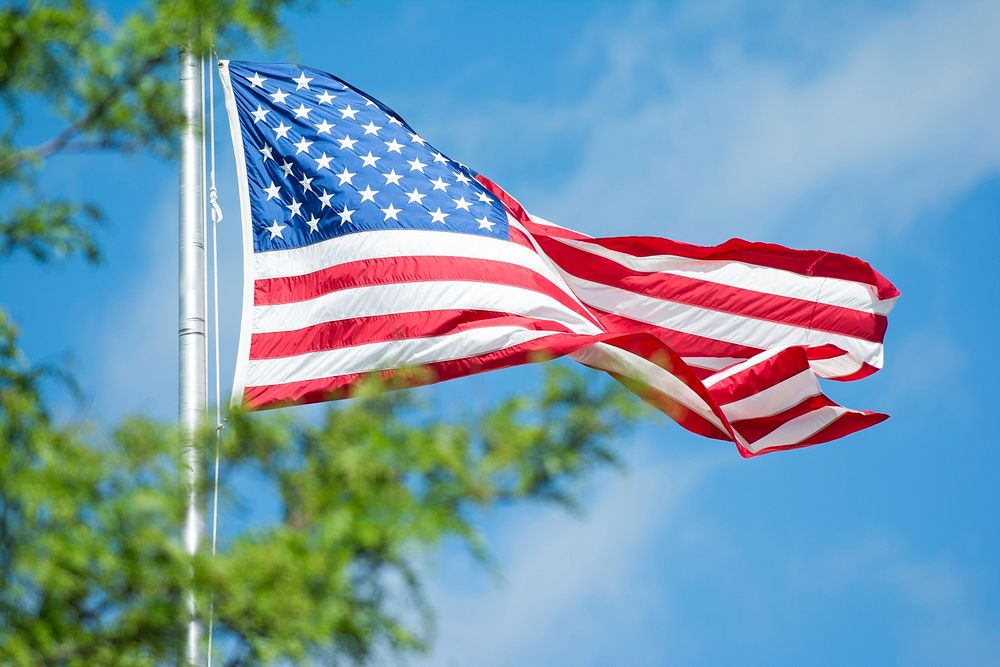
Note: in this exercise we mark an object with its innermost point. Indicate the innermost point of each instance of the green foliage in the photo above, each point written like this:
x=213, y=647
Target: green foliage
x=91, y=570
x=89, y=567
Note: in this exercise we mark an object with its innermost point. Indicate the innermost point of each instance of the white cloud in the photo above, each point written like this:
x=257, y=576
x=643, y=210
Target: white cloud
x=688, y=127
x=566, y=576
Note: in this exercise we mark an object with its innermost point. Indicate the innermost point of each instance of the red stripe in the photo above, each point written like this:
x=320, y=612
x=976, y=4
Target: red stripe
x=830, y=351
x=863, y=372
x=804, y=262
x=846, y=424
x=714, y=296
x=342, y=386
x=827, y=351
x=756, y=428
x=762, y=375
x=394, y=270
x=684, y=344
x=702, y=373
x=383, y=328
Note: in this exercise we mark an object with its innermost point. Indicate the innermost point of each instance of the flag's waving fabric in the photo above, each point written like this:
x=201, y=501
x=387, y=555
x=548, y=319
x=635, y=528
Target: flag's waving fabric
x=368, y=251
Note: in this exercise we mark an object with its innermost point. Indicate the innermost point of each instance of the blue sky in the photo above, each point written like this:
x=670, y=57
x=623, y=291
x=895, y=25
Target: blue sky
x=869, y=129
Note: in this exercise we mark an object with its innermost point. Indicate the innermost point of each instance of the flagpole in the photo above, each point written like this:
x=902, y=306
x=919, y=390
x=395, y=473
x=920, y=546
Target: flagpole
x=191, y=332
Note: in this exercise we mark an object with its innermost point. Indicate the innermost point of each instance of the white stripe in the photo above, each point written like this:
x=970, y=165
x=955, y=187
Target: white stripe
x=243, y=350
x=395, y=298
x=835, y=367
x=386, y=355
x=777, y=398
x=780, y=282
x=736, y=329
x=796, y=430
x=742, y=366
x=712, y=363
x=616, y=360
x=395, y=243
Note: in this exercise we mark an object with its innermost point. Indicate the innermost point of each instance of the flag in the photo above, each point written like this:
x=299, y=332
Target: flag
x=368, y=251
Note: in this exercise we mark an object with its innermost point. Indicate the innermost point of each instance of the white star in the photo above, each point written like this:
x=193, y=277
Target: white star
x=281, y=132
x=392, y=177
x=266, y=152
x=256, y=81
x=369, y=103
x=440, y=158
x=371, y=128
x=323, y=162
x=286, y=167
x=345, y=215
x=275, y=230
x=485, y=198
x=347, y=143
x=438, y=216
x=348, y=112
x=393, y=120
x=484, y=223
x=391, y=212
x=313, y=223
x=294, y=208
x=279, y=96
x=259, y=114
x=306, y=183
x=302, y=111
x=368, y=194
x=325, y=198
x=416, y=165
x=415, y=197
x=345, y=177
x=272, y=191
x=394, y=147
x=460, y=177
x=462, y=204
x=324, y=127
x=439, y=184
x=303, y=146
x=302, y=81
x=326, y=98
x=369, y=160
x=416, y=138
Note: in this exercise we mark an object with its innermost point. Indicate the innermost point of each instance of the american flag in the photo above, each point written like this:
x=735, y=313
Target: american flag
x=368, y=251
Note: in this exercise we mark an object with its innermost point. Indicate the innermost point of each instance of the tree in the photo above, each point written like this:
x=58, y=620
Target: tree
x=112, y=81
x=91, y=570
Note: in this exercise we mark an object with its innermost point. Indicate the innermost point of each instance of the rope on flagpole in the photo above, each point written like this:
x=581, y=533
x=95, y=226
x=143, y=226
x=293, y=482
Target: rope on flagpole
x=216, y=213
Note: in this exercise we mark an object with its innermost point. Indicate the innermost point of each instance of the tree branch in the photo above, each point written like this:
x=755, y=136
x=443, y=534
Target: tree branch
x=85, y=122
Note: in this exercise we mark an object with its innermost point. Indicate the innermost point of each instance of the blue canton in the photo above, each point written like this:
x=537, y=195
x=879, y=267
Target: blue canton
x=324, y=159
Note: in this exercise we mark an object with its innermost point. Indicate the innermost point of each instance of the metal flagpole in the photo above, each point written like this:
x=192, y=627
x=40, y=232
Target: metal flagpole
x=191, y=332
